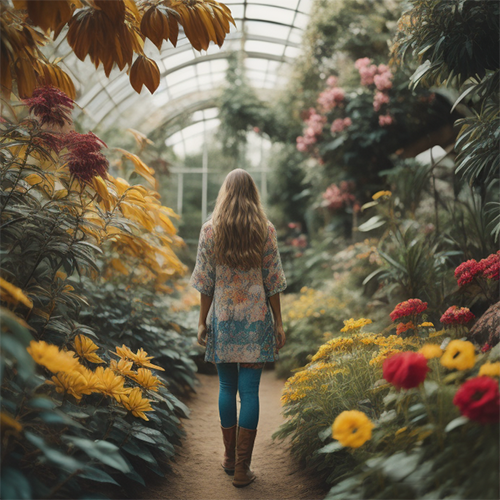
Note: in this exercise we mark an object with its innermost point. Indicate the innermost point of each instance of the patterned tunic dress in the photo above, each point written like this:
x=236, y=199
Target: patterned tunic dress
x=240, y=325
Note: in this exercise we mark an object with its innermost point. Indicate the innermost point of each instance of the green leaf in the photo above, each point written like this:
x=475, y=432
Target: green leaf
x=105, y=452
x=371, y=224
x=25, y=363
x=98, y=475
x=52, y=455
x=457, y=422
x=14, y=485
x=325, y=433
x=331, y=447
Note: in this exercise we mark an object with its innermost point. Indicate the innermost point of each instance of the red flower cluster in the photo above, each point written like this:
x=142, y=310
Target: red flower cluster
x=49, y=140
x=50, y=105
x=410, y=307
x=405, y=369
x=479, y=400
x=491, y=266
x=84, y=156
x=468, y=270
x=404, y=327
x=457, y=316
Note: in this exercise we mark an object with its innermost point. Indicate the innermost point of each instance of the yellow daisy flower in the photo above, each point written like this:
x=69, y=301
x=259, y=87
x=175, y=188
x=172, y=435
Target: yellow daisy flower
x=112, y=384
x=122, y=367
x=352, y=428
x=490, y=369
x=146, y=378
x=73, y=383
x=135, y=403
x=86, y=348
x=459, y=355
x=51, y=357
x=431, y=351
x=142, y=359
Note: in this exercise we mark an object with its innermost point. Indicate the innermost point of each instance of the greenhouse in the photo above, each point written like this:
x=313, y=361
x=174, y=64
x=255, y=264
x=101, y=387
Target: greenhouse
x=250, y=249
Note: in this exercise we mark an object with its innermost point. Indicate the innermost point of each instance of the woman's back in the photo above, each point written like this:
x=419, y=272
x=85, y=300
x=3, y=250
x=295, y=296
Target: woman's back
x=240, y=324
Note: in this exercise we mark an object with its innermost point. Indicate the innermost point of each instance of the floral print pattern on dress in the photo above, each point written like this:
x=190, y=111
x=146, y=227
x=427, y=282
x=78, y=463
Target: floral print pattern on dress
x=240, y=325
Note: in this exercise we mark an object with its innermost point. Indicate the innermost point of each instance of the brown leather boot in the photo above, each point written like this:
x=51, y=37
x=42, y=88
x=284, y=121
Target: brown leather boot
x=229, y=439
x=243, y=476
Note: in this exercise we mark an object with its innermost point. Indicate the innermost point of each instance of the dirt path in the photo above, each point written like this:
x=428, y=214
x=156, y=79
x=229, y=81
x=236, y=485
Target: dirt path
x=197, y=474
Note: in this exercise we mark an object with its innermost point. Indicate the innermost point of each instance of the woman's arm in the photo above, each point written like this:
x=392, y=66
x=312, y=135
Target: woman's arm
x=205, y=303
x=275, y=302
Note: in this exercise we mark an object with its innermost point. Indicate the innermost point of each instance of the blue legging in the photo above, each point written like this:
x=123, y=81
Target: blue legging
x=233, y=379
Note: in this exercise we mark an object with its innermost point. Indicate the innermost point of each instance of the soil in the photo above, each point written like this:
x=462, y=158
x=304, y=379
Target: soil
x=197, y=473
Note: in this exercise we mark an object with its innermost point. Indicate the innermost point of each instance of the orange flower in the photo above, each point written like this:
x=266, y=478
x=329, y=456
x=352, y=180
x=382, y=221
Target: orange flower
x=135, y=403
x=112, y=384
x=86, y=348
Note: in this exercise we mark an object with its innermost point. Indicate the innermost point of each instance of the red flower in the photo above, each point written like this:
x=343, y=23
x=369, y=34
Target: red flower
x=49, y=141
x=410, y=307
x=84, y=158
x=405, y=369
x=403, y=327
x=486, y=347
x=491, y=266
x=467, y=271
x=50, y=105
x=457, y=316
x=479, y=400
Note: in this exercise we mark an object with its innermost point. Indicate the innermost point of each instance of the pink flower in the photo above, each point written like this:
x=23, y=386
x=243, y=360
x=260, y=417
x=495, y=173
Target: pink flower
x=383, y=81
x=367, y=74
x=340, y=124
x=330, y=98
x=379, y=100
x=362, y=63
x=337, y=197
x=384, y=120
x=51, y=105
x=332, y=81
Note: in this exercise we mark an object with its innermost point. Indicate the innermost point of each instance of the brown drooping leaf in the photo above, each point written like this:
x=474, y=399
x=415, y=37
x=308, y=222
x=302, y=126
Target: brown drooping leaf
x=50, y=15
x=25, y=77
x=5, y=74
x=144, y=71
x=203, y=21
x=51, y=74
x=157, y=22
x=92, y=32
x=115, y=9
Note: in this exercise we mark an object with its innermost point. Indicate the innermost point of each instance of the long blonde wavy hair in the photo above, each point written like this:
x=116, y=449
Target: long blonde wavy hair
x=239, y=222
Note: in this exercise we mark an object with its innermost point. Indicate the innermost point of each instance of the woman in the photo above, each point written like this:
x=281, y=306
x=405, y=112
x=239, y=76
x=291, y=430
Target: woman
x=238, y=272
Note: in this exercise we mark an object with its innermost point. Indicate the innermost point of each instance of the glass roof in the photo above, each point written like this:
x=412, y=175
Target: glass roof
x=268, y=32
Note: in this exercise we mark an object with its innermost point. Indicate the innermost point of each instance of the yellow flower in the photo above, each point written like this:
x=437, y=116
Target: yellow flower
x=427, y=324
x=350, y=324
x=459, y=355
x=73, y=383
x=352, y=428
x=14, y=294
x=431, y=351
x=112, y=384
x=490, y=369
x=146, y=378
x=94, y=384
x=379, y=194
x=135, y=403
x=51, y=357
x=86, y=348
x=122, y=367
x=141, y=358
x=8, y=421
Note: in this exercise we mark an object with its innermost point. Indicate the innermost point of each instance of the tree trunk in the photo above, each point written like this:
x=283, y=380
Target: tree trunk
x=487, y=328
